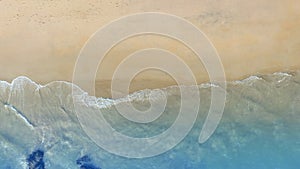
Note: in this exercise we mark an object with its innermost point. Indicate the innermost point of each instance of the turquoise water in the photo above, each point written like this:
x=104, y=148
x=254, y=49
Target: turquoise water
x=259, y=129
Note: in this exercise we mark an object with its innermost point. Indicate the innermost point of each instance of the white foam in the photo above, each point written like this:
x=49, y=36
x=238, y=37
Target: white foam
x=250, y=79
x=282, y=74
x=208, y=85
x=20, y=115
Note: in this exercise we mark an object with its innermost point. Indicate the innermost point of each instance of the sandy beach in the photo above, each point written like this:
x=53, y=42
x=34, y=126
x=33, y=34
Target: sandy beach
x=42, y=40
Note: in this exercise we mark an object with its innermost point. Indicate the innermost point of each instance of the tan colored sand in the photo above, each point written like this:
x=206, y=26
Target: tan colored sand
x=41, y=39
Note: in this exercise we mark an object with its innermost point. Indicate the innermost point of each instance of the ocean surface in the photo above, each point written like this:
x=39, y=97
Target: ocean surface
x=260, y=127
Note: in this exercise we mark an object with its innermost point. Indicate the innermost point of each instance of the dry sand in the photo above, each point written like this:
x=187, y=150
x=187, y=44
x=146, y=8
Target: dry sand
x=42, y=39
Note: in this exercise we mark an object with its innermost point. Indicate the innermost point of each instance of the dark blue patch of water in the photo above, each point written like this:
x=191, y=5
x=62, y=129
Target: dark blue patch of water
x=85, y=162
x=35, y=160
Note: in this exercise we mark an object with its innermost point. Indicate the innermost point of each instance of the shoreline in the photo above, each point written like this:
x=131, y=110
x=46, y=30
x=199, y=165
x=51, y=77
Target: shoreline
x=102, y=90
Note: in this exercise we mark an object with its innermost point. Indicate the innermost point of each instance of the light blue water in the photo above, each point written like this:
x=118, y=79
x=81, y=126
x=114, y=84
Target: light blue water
x=259, y=129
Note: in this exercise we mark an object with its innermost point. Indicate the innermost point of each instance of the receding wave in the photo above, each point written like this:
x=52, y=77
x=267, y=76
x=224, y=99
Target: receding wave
x=259, y=129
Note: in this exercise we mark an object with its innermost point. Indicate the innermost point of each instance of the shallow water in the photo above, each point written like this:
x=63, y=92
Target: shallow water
x=259, y=129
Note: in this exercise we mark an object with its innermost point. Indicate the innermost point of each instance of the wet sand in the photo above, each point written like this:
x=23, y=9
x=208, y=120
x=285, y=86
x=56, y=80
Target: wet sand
x=42, y=40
